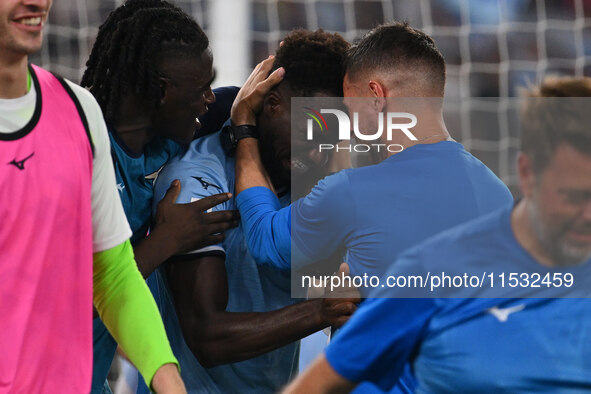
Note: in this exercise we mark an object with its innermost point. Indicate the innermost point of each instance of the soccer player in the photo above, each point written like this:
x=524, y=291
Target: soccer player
x=492, y=344
x=150, y=70
x=232, y=323
x=63, y=230
x=376, y=211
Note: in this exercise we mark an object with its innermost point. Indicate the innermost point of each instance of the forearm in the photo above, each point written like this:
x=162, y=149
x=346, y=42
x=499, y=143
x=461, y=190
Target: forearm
x=250, y=171
x=128, y=310
x=168, y=380
x=152, y=251
x=227, y=337
x=249, y=168
x=266, y=227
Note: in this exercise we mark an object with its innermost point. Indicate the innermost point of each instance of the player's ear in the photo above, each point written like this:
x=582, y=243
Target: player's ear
x=164, y=89
x=378, y=89
x=527, y=177
x=379, y=93
x=272, y=102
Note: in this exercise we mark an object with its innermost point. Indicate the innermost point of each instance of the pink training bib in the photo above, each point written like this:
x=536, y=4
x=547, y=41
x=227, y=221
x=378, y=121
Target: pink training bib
x=46, y=247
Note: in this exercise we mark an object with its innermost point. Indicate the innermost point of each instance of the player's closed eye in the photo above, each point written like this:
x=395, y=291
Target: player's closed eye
x=577, y=197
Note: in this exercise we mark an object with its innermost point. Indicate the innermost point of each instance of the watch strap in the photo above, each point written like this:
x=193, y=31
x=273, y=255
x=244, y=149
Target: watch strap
x=231, y=134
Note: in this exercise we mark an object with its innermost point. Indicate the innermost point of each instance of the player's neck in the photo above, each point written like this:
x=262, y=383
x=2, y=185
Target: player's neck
x=135, y=137
x=13, y=76
x=133, y=127
x=430, y=127
x=525, y=235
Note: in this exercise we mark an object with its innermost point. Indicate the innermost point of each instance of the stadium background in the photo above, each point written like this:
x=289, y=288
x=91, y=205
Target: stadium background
x=491, y=47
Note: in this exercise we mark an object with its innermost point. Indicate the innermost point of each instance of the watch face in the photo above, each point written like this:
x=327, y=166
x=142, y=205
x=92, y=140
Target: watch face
x=227, y=140
x=232, y=133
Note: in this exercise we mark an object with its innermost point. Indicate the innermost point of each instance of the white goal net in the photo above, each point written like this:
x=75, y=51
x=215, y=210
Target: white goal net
x=491, y=47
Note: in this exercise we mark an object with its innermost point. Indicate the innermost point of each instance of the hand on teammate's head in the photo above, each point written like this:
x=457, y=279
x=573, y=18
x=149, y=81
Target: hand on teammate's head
x=249, y=101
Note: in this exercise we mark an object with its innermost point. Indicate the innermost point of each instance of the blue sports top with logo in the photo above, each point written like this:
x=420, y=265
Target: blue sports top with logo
x=375, y=212
x=204, y=169
x=472, y=344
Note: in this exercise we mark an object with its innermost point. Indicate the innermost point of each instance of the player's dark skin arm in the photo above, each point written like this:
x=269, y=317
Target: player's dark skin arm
x=250, y=171
x=180, y=228
x=215, y=337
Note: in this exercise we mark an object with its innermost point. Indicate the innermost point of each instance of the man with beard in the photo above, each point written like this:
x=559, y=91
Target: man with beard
x=542, y=246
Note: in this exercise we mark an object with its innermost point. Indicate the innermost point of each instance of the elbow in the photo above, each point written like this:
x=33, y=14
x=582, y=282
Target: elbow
x=260, y=239
x=273, y=260
x=265, y=250
x=205, y=358
x=254, y=241
x=264, y=258
x=258, y=254
x=207, y=355
x=203, y=337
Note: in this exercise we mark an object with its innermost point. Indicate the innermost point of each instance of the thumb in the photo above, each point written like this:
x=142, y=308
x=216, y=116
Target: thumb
x=343, y=269
x=173, y=192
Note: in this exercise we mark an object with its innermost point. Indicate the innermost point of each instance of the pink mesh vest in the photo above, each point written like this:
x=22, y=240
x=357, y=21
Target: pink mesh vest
x=46, y=247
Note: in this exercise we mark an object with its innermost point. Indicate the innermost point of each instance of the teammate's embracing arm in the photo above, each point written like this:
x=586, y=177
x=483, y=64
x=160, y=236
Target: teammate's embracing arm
x=200, y=289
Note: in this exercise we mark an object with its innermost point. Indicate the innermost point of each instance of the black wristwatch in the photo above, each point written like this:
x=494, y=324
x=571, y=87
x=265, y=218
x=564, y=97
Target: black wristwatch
x=232, y=134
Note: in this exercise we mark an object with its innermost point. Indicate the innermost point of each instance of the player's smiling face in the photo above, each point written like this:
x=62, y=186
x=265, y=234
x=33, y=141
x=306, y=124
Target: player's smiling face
x=187, y=93
x=560, y=208
x=21, y=25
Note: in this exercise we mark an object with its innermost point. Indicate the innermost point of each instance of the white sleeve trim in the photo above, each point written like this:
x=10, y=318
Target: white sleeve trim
x=109, y=223
x=207, y=249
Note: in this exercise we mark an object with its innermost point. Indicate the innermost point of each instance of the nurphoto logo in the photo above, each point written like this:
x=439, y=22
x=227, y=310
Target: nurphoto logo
x=393, y=124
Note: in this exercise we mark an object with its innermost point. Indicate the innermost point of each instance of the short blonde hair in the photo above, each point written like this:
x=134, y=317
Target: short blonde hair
x=553, y=113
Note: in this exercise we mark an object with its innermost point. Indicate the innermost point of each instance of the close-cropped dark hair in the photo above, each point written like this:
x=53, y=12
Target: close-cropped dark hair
x=553, y=113
x=394, y=46
x=313, y=62
x=131, y=45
